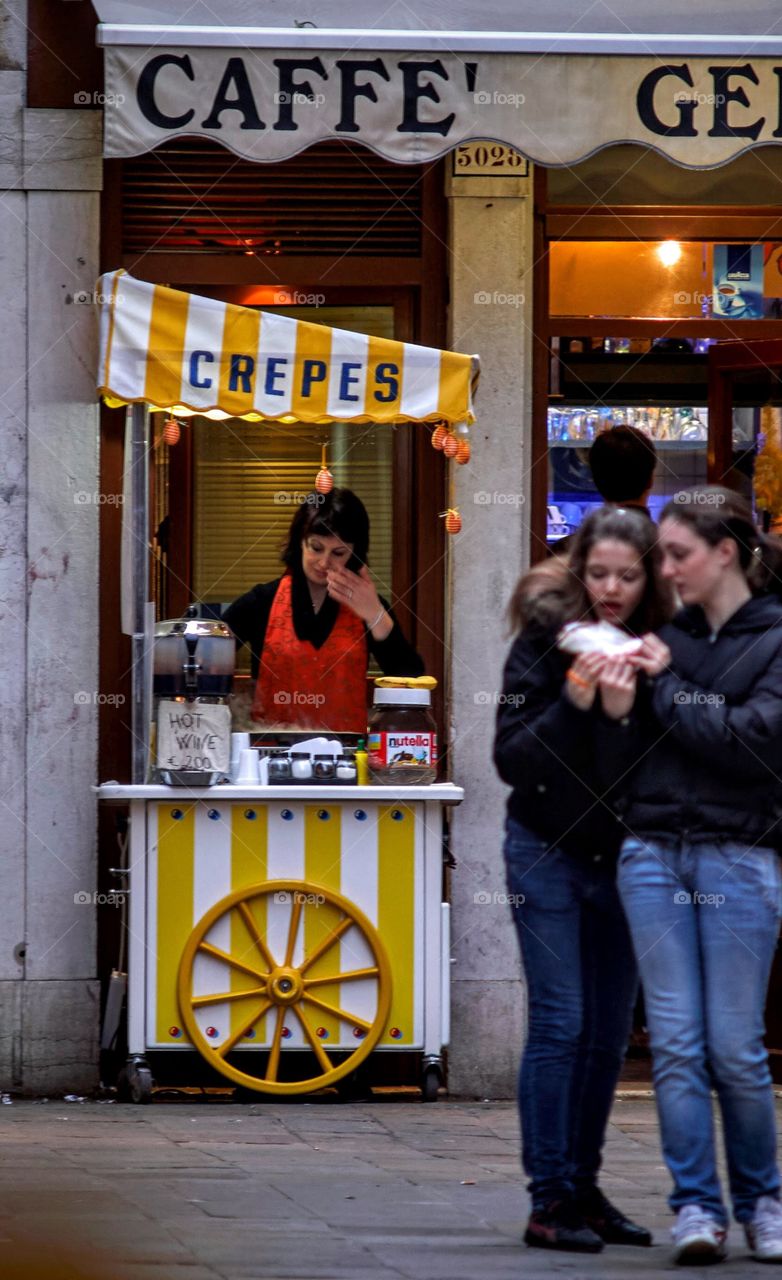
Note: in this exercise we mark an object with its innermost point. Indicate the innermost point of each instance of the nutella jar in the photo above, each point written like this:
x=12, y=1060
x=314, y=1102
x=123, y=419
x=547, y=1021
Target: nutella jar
x=402, y=740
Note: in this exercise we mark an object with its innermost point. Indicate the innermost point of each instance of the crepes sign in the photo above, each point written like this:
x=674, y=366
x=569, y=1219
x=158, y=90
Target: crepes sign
x=556, y=109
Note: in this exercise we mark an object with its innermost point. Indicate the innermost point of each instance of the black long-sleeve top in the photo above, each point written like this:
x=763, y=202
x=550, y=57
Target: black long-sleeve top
x=248, y=618
x=545, y=749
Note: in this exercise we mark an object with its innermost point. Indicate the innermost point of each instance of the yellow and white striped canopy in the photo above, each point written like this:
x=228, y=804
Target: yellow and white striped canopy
x=179, y=351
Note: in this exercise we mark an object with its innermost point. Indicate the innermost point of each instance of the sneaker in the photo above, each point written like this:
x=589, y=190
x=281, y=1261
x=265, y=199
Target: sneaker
x=608, y=1222
x=559, y=1225
x=698, y=1238
x=764, y=1230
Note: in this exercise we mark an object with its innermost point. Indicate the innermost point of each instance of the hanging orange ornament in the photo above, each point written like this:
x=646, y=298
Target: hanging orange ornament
x=324, y=480
x=171, y=431
x=439, y=436
x=462, y=454
x=450, y=445
x=453, y=521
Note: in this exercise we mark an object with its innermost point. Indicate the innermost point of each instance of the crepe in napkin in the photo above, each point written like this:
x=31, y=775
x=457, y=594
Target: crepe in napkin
x=597, y=637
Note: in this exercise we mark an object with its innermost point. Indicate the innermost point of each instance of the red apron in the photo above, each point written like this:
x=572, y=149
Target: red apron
x=311, y=688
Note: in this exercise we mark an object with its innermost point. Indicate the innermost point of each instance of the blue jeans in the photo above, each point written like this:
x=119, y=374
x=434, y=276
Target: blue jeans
x=581, y=987
x=705, y=920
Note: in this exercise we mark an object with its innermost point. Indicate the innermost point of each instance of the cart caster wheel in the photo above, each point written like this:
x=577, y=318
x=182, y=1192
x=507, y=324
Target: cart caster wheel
x=135, y=1084
x=431, y=1084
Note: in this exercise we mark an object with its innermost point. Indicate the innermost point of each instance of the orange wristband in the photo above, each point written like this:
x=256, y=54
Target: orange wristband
x=579, y=680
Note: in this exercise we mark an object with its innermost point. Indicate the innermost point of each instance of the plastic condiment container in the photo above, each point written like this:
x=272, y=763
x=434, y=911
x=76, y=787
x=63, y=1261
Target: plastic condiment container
x=402, y=741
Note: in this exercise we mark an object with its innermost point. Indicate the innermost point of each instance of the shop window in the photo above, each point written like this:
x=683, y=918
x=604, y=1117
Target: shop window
x=636, y=279
x=249, y=479
x=646, y=313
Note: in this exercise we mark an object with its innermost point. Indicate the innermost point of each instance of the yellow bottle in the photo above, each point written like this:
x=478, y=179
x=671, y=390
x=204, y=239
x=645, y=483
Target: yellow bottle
x=362, y=765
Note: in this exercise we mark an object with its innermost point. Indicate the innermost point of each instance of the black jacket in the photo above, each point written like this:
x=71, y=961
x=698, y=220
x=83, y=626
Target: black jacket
x=707, y=735
x=545, y=749
x=248, y=618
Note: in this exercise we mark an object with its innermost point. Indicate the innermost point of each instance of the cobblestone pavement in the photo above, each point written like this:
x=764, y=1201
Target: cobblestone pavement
x=391, y=1190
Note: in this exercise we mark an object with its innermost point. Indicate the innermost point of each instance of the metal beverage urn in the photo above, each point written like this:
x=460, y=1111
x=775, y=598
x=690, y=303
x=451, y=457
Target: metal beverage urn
x=193, y=672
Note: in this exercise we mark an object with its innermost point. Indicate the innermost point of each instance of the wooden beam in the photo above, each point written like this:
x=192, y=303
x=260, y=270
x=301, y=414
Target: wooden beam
x=633, y=327
x=701, y=223
x=230, y=268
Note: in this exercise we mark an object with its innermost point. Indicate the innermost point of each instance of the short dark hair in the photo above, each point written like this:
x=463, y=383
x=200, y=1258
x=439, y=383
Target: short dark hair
x=339, y=514
x=622, y=461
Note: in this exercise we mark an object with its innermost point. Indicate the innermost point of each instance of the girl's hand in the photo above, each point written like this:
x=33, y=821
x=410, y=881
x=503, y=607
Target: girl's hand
x=357, y=592
x=617, y=688
x=654, y=657
x=581, y=679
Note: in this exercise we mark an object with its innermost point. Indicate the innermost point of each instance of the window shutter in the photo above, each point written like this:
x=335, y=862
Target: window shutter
x=193, y=196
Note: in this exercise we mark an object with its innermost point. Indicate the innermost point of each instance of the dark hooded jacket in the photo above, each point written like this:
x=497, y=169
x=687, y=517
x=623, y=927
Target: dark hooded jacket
x=545, y=747
x=706, y=738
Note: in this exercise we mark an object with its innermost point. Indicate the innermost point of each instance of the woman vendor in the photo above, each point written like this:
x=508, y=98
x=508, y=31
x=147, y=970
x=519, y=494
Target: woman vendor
x=311, y=632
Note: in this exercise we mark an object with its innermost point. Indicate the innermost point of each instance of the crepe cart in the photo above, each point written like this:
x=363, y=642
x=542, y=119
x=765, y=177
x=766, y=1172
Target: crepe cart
x=278, y=935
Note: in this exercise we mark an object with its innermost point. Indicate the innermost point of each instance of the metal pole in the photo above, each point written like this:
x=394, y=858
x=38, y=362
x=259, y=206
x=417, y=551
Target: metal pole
x=139, y=457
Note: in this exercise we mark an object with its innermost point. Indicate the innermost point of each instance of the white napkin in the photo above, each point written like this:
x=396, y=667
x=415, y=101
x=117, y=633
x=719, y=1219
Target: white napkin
x=597, y=637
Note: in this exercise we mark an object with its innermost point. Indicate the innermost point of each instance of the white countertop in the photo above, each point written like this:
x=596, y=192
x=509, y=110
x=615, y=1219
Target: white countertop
x=442, y=792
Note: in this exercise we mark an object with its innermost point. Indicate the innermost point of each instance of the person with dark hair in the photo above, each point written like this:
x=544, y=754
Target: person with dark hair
x=562, y=838
x=311, y=631
x=699, y=871
x=622, y=461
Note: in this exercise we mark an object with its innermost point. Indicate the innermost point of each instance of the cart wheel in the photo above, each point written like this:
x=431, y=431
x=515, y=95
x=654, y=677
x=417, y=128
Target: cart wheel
x=134, y=1083
x=430, y=1084
x=283, y=989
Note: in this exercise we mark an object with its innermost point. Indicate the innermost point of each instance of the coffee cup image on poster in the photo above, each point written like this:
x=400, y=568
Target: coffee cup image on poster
x=738, y=281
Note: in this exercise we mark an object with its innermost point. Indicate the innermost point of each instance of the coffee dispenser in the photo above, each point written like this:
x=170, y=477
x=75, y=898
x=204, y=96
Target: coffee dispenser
x=193, y=671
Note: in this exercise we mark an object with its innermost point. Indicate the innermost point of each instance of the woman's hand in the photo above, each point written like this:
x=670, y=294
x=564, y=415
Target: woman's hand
x=654, y=657
x=581, y=679
x=357, y=592
x=617, y=688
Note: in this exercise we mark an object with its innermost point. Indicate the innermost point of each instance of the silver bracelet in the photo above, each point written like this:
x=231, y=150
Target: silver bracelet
x=372, y=625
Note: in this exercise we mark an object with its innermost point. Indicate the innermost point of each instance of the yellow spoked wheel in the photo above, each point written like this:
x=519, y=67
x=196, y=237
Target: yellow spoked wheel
x=266, y=961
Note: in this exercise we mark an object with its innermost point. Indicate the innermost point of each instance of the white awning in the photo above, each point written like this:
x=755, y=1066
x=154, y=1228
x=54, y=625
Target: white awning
x=687, y=26
x=699, y=82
